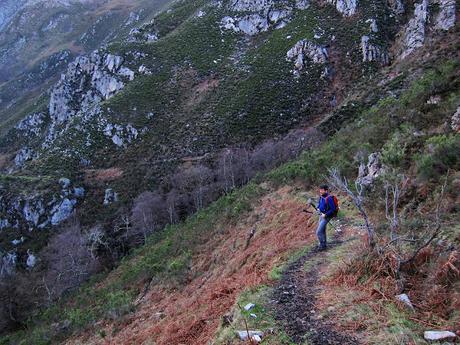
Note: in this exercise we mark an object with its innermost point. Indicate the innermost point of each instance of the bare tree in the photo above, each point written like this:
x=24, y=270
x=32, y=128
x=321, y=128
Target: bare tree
x=148, y=215
x=69, y=260
x=357, y=197
x=194, y=183
x=172, y=202
x=394, y=186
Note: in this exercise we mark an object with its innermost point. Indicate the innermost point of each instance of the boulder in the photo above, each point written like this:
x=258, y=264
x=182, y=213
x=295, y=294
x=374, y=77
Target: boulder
x=64, y=182
x=31, y=259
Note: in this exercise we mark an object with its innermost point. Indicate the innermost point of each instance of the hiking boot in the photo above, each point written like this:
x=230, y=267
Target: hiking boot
x=322, y=248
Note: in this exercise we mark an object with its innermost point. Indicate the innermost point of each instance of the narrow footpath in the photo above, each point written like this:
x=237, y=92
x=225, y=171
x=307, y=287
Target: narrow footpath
x=294, y=300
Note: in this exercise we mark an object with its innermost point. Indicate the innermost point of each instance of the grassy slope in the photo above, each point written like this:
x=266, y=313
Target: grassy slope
x=169, y=257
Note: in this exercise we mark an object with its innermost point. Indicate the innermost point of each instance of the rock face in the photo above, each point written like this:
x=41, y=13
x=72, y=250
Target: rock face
x=396, y=6
x=31, y=125
x=24, y=155
x=414, y=35
x=7, y=264
x=255, y=16
x=88, y=79
x=373, y=52
x=415, y=32
x=368, y=173
x=455, y=122
x=445, y=19
x=305, y=52
x=39, y=211
x=110, y=196
x=8, y=9
x=346, y=7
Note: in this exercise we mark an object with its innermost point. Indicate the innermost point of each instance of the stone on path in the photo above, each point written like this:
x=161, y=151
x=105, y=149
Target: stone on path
x=439, y=335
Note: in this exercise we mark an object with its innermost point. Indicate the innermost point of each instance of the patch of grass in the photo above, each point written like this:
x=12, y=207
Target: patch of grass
x=277, y=271
x=263, y=321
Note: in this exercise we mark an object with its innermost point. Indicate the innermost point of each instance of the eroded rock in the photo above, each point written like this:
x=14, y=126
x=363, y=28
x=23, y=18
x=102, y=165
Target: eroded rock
x=445, y=19
x=455, y=121
x=110, y=196
x=372, y=52
x=346, y=7
x=304, y=52
x=260, y=15
x=368, y=173
x=414, y=35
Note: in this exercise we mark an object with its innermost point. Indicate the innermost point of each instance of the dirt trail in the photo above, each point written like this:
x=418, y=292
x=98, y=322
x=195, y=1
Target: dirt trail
x=294, y=300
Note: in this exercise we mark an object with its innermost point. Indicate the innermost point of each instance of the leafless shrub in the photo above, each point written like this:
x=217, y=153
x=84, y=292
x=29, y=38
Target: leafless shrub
x=69, y=261
x=357, y=197
x=194, y=182
x=149, y=214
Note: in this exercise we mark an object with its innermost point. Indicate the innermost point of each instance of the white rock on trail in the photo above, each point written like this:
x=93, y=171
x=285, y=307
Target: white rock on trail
x=405, y=299
x=249, y=306
x=254, y=335
x=439, y=335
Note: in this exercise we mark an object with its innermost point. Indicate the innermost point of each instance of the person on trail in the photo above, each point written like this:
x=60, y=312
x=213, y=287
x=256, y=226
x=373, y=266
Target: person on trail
x=327, y=210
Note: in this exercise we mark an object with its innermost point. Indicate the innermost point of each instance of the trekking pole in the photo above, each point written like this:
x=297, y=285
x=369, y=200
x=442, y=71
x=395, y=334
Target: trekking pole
x=310, y=202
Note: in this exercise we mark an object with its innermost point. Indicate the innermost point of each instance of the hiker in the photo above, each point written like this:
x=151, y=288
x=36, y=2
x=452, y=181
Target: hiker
x=327, y=209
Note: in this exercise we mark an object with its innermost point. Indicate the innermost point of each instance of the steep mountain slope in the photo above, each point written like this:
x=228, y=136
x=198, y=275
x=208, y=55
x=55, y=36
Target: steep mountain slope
x=39, y=38
x=156, y=125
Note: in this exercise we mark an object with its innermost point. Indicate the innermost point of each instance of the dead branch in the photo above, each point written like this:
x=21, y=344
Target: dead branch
x=341, y=183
